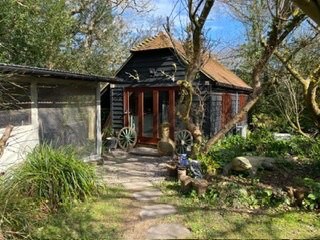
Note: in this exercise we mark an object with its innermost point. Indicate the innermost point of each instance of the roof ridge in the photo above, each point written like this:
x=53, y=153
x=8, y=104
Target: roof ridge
x=146, y=41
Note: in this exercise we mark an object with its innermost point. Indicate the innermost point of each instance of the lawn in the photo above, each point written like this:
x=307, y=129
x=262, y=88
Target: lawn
x=206, y=221
x=97, y=218
x=105, y=218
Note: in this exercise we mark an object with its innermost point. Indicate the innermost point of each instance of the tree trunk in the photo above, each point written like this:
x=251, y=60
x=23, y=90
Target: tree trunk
x=311, y=101
x=4, y=138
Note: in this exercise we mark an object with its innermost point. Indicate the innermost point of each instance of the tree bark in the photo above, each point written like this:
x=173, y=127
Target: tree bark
x=4, y=138
x=194, y=54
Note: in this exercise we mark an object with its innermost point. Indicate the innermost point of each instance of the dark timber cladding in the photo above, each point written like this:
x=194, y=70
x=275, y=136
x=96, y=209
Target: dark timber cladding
x=117, y=107
x=152, y=72
x=149, y=66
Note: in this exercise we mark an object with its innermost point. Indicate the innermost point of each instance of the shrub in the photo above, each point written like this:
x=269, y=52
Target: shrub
x=243, y=193
x=312, y=200
x=48, y=180
x=260, y=143
x=55, y=176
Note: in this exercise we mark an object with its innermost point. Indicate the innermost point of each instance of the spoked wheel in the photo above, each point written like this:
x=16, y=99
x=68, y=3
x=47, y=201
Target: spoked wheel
x=184, y=141
x=127, y=138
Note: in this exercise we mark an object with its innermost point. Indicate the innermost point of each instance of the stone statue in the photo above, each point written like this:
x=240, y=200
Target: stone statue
x=166, y=146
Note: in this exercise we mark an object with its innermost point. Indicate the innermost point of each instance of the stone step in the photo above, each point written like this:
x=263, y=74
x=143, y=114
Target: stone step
x=147, y=195
x=157, y=210
x=168, y=231
x=137, y=186
x=145, y=151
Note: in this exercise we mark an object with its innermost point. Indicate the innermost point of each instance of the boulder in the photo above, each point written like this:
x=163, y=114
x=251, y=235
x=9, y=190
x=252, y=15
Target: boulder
x=249, y=164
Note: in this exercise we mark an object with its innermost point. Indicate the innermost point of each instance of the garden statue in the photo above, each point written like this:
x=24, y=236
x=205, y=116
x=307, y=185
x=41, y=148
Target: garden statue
x=166, y=146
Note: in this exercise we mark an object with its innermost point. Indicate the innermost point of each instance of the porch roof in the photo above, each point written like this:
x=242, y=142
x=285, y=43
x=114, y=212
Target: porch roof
x=211, y=67
x=44, y=72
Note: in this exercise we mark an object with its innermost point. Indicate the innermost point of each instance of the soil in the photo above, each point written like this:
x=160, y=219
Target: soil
x=289, y=173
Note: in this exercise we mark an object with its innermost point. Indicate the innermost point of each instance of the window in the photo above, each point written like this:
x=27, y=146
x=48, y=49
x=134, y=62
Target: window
x=15, y=104
x=67, y=115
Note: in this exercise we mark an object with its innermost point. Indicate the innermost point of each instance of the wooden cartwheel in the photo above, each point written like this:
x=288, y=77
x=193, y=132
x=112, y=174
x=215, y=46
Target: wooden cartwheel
x=184, y=141
x=127, y=138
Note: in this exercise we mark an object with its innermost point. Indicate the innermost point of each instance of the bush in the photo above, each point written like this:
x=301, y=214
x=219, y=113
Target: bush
x=242, y=193
x=48, y=180
x=312, y=200
x=260, y=143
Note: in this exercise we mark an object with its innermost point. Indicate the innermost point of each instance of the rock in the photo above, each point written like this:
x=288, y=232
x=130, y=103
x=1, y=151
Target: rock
x=282, y=136
x=249, y=163
x=239, y=164
x=157, y=211
x=168, y=231
x=147, y=195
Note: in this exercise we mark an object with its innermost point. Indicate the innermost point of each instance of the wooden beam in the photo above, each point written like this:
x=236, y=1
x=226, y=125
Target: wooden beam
x=126, y=108
x=172, y=106
x=140, y=113
x=155, y=127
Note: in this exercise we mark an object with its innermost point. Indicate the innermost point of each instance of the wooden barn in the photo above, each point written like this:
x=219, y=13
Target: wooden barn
x=153, y=69
x=49, y=106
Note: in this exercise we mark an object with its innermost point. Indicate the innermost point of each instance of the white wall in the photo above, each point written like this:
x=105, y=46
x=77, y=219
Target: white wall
x=23, y=139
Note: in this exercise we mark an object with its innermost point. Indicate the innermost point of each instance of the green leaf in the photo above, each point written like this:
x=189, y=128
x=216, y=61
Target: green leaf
x=312, y=196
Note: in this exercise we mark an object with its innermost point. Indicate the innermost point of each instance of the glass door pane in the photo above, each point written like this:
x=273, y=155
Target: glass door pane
x=133, y=110
x=148, y=114
x=163, y=108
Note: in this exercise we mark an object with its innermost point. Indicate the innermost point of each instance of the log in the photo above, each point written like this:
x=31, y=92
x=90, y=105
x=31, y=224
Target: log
x=200, y=185
x=4, y=138
x=186, y=183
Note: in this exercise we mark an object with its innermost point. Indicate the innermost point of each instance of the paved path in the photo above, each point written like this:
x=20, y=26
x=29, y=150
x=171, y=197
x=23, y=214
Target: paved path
x=138, y=174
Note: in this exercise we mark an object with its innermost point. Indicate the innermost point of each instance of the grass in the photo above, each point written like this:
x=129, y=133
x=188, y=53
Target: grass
x=208, y=222
x=98, y=218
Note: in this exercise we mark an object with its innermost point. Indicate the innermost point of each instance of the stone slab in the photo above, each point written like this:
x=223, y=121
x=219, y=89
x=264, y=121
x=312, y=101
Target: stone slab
x=168, y=231
x=145, y=151
x=158, y=210
x=136, y=186
x=147, y=195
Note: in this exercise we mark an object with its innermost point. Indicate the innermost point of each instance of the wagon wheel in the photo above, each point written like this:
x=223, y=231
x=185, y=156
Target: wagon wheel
x=127, y=138
x=184, y=140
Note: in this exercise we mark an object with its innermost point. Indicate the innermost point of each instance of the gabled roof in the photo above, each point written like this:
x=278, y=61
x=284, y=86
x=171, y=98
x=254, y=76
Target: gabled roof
x=211, y=67
x=44, y=72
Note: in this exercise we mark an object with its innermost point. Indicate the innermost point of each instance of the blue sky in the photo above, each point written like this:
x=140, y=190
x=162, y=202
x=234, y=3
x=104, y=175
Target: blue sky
x=221, y=25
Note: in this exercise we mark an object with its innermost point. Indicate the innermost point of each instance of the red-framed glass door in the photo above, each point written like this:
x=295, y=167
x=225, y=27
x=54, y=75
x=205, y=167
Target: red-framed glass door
x=146, y=109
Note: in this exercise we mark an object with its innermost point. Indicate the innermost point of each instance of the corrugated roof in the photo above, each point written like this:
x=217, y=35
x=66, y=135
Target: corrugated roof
x=211, y=67
x=44, y=72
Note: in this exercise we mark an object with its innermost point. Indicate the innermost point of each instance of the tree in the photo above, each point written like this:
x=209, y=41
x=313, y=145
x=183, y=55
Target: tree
x=31, y=31
x=284, y=19
x=78, y=35
x=194, y=45
x=304, y=70
x=95, y=45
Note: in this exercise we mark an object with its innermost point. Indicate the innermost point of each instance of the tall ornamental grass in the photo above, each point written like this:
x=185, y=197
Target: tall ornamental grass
x=47, y=181
x=55, y=177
